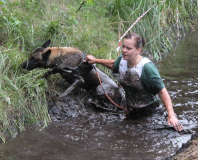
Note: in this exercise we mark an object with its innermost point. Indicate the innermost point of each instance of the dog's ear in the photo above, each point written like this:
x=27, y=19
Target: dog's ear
x=45, y=56
x=46, y=44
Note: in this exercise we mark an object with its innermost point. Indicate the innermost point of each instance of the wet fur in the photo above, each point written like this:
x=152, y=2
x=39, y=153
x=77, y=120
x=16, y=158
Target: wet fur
x=68, y=62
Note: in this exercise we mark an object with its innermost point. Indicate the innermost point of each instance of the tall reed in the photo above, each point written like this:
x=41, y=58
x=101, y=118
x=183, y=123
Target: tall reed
x=159, y=25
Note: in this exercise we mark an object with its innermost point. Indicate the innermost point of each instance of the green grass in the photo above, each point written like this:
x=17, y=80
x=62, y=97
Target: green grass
x=22, y=96
x=158, y=26
x=95, y=29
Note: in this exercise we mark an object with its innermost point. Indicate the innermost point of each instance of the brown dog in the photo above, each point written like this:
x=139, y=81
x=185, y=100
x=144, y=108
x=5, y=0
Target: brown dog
x=68, y=61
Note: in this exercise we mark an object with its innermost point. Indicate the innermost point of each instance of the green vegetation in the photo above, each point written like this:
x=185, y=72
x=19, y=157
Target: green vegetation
x=93, y=27
x=22, y=96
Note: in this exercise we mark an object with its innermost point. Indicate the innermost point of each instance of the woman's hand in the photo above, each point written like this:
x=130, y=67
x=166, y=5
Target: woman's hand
x=174, y=121
x=105, y=62
x=163, y=94
x=90, y=59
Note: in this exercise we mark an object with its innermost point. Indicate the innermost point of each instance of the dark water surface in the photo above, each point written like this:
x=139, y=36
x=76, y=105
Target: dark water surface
x=106, y=136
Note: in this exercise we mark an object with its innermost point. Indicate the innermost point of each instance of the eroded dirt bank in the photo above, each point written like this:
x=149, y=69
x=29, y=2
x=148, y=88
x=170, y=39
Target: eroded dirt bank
x=189, y=153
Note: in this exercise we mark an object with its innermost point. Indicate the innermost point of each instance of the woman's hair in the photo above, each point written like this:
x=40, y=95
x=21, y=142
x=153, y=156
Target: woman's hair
x=139, y=41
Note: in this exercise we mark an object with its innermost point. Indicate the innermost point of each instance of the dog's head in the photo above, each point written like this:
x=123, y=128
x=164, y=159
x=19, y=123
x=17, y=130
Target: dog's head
x=38, y=57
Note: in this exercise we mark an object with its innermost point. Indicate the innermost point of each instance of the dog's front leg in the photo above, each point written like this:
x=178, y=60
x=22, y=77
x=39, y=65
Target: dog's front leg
x=50, y=72
x=78, y=81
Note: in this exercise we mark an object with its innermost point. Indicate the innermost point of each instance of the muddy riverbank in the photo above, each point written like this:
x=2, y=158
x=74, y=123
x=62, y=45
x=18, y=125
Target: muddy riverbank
x=189, y=152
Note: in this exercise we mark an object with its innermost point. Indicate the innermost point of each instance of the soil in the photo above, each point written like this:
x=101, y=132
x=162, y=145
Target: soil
x=190, y=153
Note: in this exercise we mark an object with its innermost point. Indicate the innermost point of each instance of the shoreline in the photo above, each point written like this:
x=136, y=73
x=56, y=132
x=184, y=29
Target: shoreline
x=188, y=151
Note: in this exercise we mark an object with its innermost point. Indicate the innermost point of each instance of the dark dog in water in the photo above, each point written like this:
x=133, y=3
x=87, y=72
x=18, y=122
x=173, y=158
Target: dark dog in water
x=68, y=61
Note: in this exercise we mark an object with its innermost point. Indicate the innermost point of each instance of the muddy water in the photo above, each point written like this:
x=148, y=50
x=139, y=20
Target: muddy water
x=86, y=134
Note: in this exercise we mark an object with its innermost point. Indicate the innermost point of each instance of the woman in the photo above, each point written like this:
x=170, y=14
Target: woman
x=140, y=79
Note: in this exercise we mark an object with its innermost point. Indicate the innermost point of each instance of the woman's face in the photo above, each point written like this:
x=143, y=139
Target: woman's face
x=128, y=49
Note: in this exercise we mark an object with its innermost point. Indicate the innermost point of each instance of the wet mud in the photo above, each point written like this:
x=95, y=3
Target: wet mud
x=190, y=152
x=85, y=128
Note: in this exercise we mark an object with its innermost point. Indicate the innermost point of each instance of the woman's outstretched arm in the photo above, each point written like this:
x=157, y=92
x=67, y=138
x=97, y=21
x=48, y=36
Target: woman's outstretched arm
x=164, y=95
x=105, y=62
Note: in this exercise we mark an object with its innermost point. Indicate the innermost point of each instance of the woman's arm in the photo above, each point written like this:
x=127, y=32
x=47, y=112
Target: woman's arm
x=105, y=62
x=163, y=94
